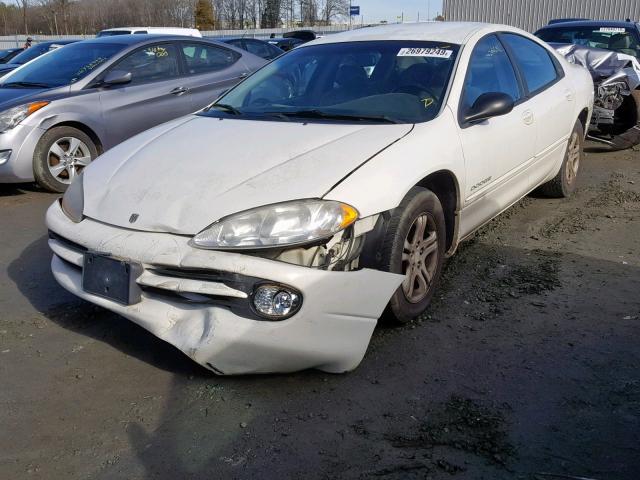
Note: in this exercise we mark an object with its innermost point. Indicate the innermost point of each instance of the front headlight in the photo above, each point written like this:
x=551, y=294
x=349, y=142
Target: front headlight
x=12, y=117
x=73, y=200
x=280, y=225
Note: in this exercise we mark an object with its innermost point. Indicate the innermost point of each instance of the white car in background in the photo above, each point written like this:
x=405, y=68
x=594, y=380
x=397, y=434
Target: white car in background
x=189, y=32
x=269, y=232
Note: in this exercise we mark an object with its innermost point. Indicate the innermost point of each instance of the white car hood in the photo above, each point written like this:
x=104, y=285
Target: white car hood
x=184, y=175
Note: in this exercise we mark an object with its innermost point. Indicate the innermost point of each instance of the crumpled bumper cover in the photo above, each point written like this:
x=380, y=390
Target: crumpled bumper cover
x=331, y=331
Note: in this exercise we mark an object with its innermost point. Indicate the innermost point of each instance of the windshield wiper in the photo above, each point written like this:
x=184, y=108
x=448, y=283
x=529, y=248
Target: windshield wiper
x=25, y=85
x=226, y=108
x=335, y=116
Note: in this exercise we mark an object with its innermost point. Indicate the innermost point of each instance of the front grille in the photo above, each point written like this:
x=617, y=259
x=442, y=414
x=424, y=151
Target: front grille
x=67, y=243
x=236, y=281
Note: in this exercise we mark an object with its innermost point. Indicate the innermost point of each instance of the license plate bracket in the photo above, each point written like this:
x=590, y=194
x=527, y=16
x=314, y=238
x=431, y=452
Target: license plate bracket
x=111, y=278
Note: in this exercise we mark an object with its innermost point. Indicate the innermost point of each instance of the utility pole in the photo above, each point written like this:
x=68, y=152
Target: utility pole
x=350, y=14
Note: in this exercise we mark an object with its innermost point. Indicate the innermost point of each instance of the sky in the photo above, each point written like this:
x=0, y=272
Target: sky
x=389, y=10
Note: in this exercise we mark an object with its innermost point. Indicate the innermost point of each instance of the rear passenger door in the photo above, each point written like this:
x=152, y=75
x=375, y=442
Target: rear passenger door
x=210, y=69
x=154, y=95
x=551, y=98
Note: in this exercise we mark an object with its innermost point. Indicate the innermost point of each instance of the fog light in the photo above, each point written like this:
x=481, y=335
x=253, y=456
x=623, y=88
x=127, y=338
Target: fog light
x=276, y=301
x=4, y=156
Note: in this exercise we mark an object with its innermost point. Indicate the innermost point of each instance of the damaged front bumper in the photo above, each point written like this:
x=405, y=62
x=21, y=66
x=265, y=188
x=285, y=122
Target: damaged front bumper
x=198, y=300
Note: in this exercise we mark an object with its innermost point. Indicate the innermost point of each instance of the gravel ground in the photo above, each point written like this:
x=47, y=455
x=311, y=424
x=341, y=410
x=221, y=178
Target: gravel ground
x=525, y=367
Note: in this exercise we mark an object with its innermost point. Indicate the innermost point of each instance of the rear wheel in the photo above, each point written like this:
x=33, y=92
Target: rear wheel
x=414, y=246
x=564, y=183
x=60, y=156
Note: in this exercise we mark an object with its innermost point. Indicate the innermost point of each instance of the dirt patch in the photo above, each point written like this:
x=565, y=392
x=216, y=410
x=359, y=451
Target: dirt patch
x=459, y=424
x=611, y=193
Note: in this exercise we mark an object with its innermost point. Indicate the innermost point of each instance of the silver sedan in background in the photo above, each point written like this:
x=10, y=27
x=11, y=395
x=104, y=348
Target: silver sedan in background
x=61, y=110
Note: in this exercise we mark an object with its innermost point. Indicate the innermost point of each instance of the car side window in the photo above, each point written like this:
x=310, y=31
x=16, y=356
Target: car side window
x=258, y=48
x=152, y=63
x=202, y=58
x=533, y=60
x=490, y=70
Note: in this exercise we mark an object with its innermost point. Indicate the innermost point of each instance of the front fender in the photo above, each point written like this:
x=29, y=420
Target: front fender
x=381, y=183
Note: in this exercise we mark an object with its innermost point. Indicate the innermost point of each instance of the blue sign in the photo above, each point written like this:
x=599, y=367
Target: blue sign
x=353, y=11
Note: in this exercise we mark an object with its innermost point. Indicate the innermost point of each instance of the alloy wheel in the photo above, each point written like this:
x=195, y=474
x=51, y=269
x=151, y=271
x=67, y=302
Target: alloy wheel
x=420, y=258
x=67, y=157
x=573, y=158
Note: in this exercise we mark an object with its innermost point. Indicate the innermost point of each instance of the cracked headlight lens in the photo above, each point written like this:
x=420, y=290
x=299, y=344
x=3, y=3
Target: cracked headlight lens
x=279, y=225
x=12, y=117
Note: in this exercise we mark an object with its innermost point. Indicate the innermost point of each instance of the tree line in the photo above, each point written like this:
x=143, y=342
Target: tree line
x=86, y=17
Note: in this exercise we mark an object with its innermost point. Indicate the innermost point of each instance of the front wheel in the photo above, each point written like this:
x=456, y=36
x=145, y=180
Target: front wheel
x=60, y=156
x=414, y=246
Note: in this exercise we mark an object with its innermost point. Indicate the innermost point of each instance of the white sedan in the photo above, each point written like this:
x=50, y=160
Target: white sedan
x=270, y=231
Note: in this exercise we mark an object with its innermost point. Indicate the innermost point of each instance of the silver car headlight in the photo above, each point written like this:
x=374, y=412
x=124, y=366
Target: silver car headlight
x=279, y=225
x=72, y=202
x=12, y=117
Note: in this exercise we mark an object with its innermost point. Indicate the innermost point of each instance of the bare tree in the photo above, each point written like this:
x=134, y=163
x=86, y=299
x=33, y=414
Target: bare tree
x=24, y=4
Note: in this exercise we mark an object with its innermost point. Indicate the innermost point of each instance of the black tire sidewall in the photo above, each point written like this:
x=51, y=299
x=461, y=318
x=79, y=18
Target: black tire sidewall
x=41, y=171
x=419, y=201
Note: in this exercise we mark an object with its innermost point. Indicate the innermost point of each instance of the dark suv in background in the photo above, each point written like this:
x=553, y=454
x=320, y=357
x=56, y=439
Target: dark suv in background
x=610, y=50
x=617, y=36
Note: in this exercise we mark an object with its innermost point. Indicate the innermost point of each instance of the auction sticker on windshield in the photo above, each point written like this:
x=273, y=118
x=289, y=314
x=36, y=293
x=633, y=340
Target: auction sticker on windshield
x=425, y=52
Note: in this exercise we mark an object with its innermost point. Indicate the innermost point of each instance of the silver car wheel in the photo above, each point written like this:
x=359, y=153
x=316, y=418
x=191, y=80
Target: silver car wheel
x=67, y=157
x=573, y=158
x=420, y=258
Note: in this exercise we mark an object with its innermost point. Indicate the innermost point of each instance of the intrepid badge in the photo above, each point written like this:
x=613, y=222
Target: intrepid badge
x=133, y=218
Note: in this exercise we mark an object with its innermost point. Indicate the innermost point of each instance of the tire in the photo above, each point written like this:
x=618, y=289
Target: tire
x=48, y=168
x=564, y=183
x=420, y=259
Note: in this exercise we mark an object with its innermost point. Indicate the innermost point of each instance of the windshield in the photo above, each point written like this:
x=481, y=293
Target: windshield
x=31, y=53
x=62, y=66
x=618, y=39
x=383, y=81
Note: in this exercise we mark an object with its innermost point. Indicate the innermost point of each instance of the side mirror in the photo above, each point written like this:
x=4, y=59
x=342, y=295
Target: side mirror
x=488, y=105
x=117, y=77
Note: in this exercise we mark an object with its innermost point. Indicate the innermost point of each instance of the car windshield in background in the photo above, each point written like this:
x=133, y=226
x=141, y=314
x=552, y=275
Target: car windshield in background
x=113, y=33
x=30, y=53
x=63, y=66
x=617, y=39
x=383, y=81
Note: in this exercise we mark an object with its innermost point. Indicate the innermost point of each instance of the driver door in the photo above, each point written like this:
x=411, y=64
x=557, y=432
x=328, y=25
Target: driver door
x=496, y=151
x=153, y=96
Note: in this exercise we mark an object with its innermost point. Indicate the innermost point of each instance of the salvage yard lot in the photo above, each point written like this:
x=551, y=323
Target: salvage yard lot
x=526, y=364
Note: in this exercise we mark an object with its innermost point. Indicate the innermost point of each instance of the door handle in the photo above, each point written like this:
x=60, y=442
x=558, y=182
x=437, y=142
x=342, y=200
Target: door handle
x=179, y=91
x=244, y=74
x=527, y=117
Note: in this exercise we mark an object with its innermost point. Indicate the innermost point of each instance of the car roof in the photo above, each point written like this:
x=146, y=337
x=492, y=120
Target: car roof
x=590, y=23
x=284, y=39
x=56, y=42
x=136, y=39
x=234, y=39
x=449, y=32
